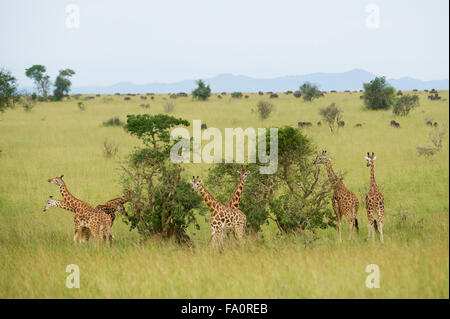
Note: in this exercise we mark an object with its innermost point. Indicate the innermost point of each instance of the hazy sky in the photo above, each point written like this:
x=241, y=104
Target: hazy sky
x=165, y=41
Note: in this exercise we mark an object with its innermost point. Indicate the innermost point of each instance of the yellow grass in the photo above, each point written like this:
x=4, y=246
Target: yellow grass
x=58, y=138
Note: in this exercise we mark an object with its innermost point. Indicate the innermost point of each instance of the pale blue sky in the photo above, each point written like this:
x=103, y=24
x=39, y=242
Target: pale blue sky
x=165, y=41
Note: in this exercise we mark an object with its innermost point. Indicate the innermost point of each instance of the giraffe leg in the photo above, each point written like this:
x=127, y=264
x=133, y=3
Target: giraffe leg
x=339, y=224
x=352, y=222
x=380, y=225
x=79, y=235
x=338, y=215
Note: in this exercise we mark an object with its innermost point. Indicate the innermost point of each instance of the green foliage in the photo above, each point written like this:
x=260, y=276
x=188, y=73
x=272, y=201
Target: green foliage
x=331, y=115
x=236, y=95
x=62, y=84
x=378, y=94
x=405, y=104
x=41, y=80
x=202, y=92
x=113, y=121
x=296, y=197
x=81, y=106
x=161, y=201
x=264, y=109
x=8, y=90
x=309, y=91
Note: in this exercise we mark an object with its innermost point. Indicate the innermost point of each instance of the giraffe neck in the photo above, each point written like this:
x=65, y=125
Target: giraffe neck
x=331, y=175
x=372, y=175
x=68, y=197
x=64, y=205
x=236, y=197
x=208, y=198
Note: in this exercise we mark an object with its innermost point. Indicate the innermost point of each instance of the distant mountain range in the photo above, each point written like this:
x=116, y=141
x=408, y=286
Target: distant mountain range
x=350, y=80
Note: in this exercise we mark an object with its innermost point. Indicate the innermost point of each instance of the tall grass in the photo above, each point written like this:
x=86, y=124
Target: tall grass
x=36, y=247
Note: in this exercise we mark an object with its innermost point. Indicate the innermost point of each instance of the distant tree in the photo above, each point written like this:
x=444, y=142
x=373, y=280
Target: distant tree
x=41, y=80
x=309, y=91
x=8, y=90
x=331, y=115
x=62, y=84
x=405, y=104
x=378, y=94
x=236, y=95
x=202, y=92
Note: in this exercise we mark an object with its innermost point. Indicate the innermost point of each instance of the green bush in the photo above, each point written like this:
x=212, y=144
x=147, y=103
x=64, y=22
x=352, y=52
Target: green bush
x=162, y=202
x=405, y=104
x=236, y=95
x=378, y=94
x=296, y=197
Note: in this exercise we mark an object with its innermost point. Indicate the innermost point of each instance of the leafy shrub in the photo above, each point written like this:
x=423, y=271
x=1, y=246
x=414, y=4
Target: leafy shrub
x=161, y=200
x=264, y=109
x=331, y=115
x=405, y=104
x=296, y=197
x=378, y=94
x=236, y=95
x=81, y=106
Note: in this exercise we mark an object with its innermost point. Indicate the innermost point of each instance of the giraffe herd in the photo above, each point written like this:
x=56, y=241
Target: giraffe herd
x=97, y=222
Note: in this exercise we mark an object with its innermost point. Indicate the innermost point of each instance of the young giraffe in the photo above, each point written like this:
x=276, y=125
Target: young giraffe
x=235, y=199
x=374, y=201
x=112, y=206
x=223, y=218
x=98, y=222
x=344, y=201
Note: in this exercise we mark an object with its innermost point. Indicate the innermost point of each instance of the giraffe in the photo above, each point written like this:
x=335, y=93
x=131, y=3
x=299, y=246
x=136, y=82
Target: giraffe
x=344, y=201
x=62, y=204
x=235, y=199
x=223, y=218
x=374, y=201
x=110, y=207
x=98, y=222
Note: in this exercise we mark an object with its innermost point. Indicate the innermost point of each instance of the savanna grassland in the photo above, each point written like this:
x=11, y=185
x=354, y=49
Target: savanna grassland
x=58, y=138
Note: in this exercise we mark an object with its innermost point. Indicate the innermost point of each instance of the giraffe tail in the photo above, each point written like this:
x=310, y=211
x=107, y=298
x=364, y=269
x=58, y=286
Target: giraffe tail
x=375, y=225
x=356, y=224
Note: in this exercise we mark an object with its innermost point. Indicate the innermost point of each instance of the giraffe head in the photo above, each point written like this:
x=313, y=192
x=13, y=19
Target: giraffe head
x=370, y=159
x=50, y=203
x=322, y=158
x=196, y=183
x=244, y=172
x=57, y=180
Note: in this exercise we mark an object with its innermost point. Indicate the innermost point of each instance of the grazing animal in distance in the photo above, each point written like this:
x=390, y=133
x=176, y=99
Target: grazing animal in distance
x=304, y=124
x=374, y=202
x=319, y=123
x=204, y=126
x=341, y=123
x=344, y=202
x=429, y=123
x=395, y=124
x=273, y=96
x=358, y=125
